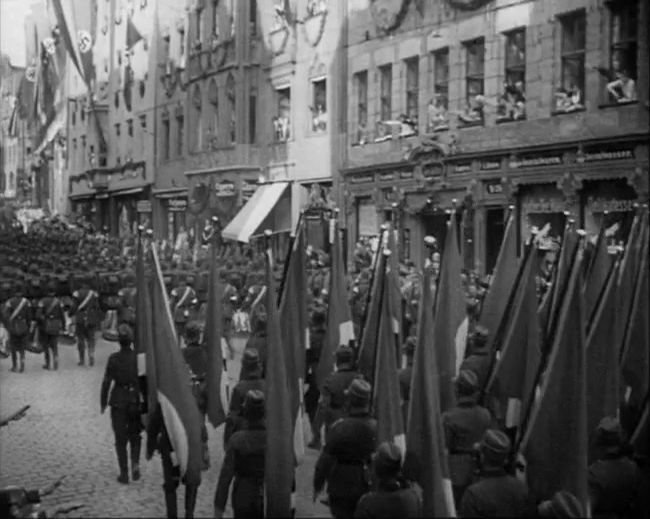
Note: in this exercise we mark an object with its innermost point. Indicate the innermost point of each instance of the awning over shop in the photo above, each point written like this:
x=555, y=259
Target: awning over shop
x=125, y=192
x=82, y=196
x=172, y=192
x=264, y=206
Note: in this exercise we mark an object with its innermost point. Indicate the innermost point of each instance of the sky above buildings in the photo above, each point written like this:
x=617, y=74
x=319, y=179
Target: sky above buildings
x=12, y=29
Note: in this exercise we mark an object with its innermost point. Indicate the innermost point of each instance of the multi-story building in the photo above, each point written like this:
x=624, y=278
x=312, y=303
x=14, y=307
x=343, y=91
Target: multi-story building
x=540, y=104
x=12, y=132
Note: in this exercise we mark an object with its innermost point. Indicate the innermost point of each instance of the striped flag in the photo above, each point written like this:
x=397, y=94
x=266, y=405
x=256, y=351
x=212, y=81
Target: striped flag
x=279, y=462
x=386, y=392
x=179, y=408
x=426, y=458
x=555, y=441
x=340, y=330
x=295, y=329
x=216, y=379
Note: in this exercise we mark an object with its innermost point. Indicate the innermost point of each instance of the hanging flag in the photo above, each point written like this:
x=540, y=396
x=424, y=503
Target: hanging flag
x=12, y=128
x=27, y=93
x=597, y=273
x=340, y=330
x=426, y=456
x=555, y=441
x=394, y=288
x=133, y=36
x=386, y=392
x=179, y=408
x=216, y=379
x=279, y=462
x=513, y=380
x=449, y=314
x=143, y=330
x=502, y=281
x=295, y=328
x=602, y=357
x=635, y=359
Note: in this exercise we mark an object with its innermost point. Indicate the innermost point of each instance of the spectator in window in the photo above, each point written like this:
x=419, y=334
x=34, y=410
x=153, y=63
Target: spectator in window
x=437, y=115
x=623, y=88
x=474, y=110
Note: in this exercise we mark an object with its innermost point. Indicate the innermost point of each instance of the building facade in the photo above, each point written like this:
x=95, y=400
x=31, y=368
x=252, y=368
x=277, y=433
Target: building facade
x=12, y=159
x=484, y=104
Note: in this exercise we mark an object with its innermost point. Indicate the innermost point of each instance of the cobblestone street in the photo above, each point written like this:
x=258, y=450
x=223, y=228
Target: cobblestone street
x=64, y=433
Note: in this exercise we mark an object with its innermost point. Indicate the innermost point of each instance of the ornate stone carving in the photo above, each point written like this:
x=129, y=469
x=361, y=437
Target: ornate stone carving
x=388, y=14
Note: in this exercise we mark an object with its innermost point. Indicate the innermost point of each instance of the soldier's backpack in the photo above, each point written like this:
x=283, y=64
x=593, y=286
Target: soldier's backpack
x=53, y=322
x=18, y=324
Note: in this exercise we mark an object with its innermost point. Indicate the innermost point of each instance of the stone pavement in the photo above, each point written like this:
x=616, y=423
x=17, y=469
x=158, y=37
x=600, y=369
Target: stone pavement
x=64, y=433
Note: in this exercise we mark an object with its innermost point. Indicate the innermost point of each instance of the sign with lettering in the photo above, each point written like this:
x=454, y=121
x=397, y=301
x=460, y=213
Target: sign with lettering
x=596, y=155
x=177, y=205
x=432, y=170
x=601, y=205
x=143, y=206
x=463, y=167
x=405, y=175
x=490, y=164
x=529, y=161
x=544, y=205
x=225, y=189
x=494, y=188
x=386, y=177
x=362, y=179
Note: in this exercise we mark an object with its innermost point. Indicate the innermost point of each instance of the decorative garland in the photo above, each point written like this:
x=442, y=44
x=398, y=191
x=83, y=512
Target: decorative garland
x=308, y=27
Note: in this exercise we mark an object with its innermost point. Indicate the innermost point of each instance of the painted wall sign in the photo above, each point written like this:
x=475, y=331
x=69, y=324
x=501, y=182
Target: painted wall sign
x=600, y=205
x=143, y=206
x=544, y=205
x=386, y=177
x=494, y=188
x=490, y=164
x=177, y=205
x=405, y=175
x=225, y=189
x=528, y=161
x=593, y=156
x=362, y=179
x=464, y=167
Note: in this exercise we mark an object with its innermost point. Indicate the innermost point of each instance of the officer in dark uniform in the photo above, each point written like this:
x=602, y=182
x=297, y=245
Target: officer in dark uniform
x=614, y=479
x=464, y=426
x=122, y=374
x=496, y=493
x=393, y=497
x=317, y=331
x=85, y=308
x=127, y=297
x=250, y=379
x=258, y=338
x=182, y=298
x=244, y=461
x=17, y=316
x=405, y=374
x=477, y=356
x=344, y=461
x=49, y=313
x=332, y=400
x=196, y=358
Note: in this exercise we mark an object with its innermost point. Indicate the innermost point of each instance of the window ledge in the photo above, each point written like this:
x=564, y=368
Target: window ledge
x=568, y=112
x=505, y=120
x=614, y=105
x=462, y=124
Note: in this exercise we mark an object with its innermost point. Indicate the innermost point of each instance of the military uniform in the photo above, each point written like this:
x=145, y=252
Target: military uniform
x=127, y=301
x=17, y=316
x=182, y=298
x=344, y=461
x=50, y=315
x=85, y=308
x=245, y=461
x=258, y=340
x=122, y=374
x=333, y=392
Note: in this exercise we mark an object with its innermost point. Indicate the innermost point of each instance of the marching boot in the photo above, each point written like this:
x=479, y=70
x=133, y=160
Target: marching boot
x=170, y=504
x=56, y=362
x=122, y=461
x=81, y=349
x=14, y=361
x=190, y=500
x=91, y=355
x=47, y=360
x=135, y=460
x=22, y=363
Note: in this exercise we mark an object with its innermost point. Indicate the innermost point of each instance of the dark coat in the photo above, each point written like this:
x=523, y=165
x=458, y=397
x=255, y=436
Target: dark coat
x=122, y=371
x=497, y=494
x=390, y=500
x=613, y=486
x=235, y=420
x=333, y=394
x=258, y=341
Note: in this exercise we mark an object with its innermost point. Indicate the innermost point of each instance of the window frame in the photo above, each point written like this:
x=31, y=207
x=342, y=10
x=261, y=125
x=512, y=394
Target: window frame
x=571, y=55
x=278, y=99
x=412, y=70
x=440, y=86
x=315, y=82
x=627, y=46
x=166, y=138
x=252, y=116
x=512, y=73
x=180, y=134
x=361, y=101
x=385, y=92
x=474, y=77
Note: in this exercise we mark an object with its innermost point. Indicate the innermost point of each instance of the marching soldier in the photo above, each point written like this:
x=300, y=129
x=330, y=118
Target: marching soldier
x=181, y=300
x=17, y=314
x=127, y=297
x=122, y=375
x=49, y=314
x=245, y=461
x=85, y=308
x=344, y=461
x=317, y=332
x=258, y=338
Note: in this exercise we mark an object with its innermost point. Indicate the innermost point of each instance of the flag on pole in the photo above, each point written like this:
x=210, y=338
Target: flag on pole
x=597, y=274
x=340, y=330
x=394, y=288
x=513, y=380
x=449, y=314
x=602, y=357
x=144, y=328
x=503, y=281
x=216, y=379
x=295, y=329
x=133, y=35
x=179, y=408
x=426, y=456
x=386, y=392
x=279, y=462
x=555, y=440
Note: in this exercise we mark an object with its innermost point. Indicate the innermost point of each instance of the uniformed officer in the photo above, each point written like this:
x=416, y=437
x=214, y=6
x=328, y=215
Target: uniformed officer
x=317, y=331
x=17, y=315
x=344, y=461
x=122, y=375
x=182, y=297
x=50, y=316
x=333, y=399
x=614, y=479
x=393, y=496
x=477, y=357
x=85, y=308
x=244, y=461
x=257, y=338
x=464, y=426
x=496, y=493
x=250, y=379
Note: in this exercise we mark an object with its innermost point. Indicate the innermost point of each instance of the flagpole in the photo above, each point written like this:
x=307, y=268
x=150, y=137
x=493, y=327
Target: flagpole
x=373, y=273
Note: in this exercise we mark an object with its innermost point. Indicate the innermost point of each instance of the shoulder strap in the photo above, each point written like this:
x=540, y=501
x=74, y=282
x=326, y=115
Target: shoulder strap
x=53, y=304
x=87, y=299
x=181, y=301
x=18, y=309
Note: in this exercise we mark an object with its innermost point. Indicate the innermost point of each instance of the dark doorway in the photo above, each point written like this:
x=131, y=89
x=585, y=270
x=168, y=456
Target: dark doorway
x=435, y=224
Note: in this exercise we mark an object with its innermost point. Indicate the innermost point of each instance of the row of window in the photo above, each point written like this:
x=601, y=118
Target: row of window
x=619, y=77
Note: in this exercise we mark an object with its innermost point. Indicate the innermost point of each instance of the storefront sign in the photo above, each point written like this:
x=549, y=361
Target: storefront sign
x=490, y=164
x=247, y=189
x=367, y=219
x=405, y=175
x=544, y=205
x=529, y=161
x=362, y=179
x=177, y=205
x=463, y=167
x=593, y=156
x=225, y=189
x=601, y=205
x=386, y=177
x=432, y=170
x=389, y=194
x=494, y=188
x=143, y=206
